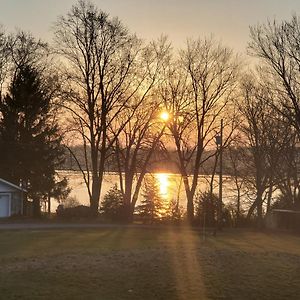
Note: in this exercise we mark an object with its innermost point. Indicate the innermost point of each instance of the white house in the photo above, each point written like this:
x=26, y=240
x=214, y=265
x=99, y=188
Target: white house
x=11, y=199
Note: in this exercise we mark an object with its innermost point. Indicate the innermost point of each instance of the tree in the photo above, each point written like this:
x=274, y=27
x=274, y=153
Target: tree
x=25, y=50
x=236, y=168
x=206, y=209
x=30, y=137
x=287, y=175
x=70, y=201
x=4, y=59
x=112, y=204
x=197, y=90
x=151, y=208
x=104, y=71
x=20, y=49
x=60, y=191
x=136, y=143
x=277, y=44
x=134, y=150
x=265, y=140
x=174, y=211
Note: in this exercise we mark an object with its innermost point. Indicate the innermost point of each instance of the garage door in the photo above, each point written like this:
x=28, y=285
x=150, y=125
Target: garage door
x=4, y=206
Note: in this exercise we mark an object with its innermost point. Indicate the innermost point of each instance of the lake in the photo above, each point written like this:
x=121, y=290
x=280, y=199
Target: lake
x=170, y=186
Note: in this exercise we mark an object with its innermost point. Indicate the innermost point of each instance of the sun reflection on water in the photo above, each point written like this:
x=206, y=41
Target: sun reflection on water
x=163, y=180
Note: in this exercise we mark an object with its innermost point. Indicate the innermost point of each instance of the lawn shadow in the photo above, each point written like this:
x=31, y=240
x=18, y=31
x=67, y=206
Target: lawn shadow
x=114, y=263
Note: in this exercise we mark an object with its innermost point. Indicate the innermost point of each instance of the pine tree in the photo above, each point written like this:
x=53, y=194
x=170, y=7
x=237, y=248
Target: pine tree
x=151, y=207
x=29, y=135
x=112, y=204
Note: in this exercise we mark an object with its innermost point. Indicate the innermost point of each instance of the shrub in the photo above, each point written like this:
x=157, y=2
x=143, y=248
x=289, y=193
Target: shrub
x=112, y=204
x=80, y=211
x=70, y=201
x=286, y=202
x=206, y=208
x=175, y=211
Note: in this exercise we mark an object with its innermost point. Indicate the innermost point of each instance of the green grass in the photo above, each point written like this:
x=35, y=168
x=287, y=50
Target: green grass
x=148, y=264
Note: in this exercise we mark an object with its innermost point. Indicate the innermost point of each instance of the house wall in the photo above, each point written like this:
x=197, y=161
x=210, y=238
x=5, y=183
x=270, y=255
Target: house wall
x=5, y=205
x=16, y=203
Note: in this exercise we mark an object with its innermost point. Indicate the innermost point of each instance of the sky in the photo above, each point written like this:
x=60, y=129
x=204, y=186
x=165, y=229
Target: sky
x=226, y=20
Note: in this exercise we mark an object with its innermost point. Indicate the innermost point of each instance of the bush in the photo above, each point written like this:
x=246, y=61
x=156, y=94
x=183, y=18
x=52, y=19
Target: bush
x=206, y=209
x=285, y=202
x=174, y=212
x=235, y=219
x=112, y=204
x=80, y=211
x=70, y=202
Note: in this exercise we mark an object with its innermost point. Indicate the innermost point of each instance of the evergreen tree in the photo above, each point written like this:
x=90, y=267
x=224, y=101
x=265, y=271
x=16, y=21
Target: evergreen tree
x=112, y=204
x=151, y=207
x=30, y=142
x=174, y=211
x=206, y=209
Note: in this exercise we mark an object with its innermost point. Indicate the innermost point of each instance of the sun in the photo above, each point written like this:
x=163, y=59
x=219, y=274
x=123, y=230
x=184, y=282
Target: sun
x=165, y=116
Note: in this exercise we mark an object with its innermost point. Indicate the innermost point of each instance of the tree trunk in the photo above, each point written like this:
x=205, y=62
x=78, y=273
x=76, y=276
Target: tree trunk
x=258, y=205
x=238, y=207
x=190, y=210
x=94, y=201
x=128, y=210
x=269, y=197
x=49, y=204
x=36, y=208
x=259, y=214
x=213, y=174
x=190, y=198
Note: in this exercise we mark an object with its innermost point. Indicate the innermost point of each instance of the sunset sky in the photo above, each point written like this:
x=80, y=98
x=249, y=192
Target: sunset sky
x=227, y=20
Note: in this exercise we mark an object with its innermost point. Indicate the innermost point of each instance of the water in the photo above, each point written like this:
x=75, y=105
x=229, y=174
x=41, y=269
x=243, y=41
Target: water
x=170, y=186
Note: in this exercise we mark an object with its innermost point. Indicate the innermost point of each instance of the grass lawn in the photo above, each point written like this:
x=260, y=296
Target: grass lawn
x=139, y=263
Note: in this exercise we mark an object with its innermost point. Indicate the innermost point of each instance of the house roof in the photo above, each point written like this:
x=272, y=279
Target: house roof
x=12, y=185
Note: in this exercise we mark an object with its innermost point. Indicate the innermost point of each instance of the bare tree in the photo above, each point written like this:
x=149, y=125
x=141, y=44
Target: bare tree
x=4, y=59
x=19, y=49
x=105, y=69
x=287, y=176
x=236, y=168
x=265, y=140
x=25, y=49
x=134, y=150
x=197, y=93
x=140, y=137
x=277, y=44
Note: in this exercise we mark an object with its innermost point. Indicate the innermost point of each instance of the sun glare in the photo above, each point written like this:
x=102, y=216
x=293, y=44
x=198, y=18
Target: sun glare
x=165, y=116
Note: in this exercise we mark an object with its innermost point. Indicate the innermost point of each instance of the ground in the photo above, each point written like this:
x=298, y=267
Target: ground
x=148, y=263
